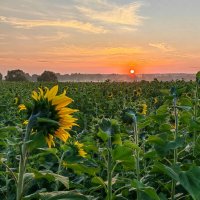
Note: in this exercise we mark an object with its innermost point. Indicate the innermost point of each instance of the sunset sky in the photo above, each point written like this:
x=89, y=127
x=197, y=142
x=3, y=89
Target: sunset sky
x=100, y=36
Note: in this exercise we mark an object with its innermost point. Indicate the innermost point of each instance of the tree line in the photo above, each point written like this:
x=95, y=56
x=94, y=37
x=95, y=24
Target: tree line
x=19, y=75
x=49, y=76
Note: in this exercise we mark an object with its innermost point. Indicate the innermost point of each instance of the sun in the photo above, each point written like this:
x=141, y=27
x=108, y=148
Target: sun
x=132, y=71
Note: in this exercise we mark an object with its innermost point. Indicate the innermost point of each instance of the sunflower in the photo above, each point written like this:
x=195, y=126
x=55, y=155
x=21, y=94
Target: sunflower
x=16, y=100
x=25, y=122
x=143, y=109
x=81, y=152
x=22, y=107
x=155, y=100
x=54, y=117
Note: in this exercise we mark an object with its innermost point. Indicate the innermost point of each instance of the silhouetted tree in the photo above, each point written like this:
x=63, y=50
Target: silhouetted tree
x=1, y=77
x=47, y=76
x=16, y=75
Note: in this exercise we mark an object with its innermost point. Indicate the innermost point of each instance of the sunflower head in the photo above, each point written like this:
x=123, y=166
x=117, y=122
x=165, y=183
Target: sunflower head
x=155, y=100
x=143, y=109
x=80, y=149
x=128, y=115
x=22, y=107
x=54, y=118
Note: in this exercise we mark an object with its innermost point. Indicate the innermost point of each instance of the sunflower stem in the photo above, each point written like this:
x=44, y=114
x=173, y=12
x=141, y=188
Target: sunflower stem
x=23, y=159
x=109, y=169
x=195, y=116
x=59, y=169
x=175, y=150
x=137, y=152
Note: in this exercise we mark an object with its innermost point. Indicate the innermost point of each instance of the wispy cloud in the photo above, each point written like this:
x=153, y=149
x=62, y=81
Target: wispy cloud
x=76, y=51
x=24, y=23
x=162, y=46
x=116, y=14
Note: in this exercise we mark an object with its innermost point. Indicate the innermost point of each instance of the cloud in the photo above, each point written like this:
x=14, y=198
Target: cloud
x=24, y=23
x=74, y=51
x=114, y=14
x=162, y=46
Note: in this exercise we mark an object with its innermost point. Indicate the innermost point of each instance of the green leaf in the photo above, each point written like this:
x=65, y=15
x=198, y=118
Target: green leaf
x=62, y=195
x=103, y=135
x=162, y=146
x=162, y=110
x=184, y=107
x=5, y=131
x=122, y=153
x=146, y=189
x=79, y=168
x=52, y=177
x=100, y=181
x=167, y=170
x=165, y=127
x=191, y=182
x=117, y=139
x=132, y=145
x=37, y=140
x=185, y=117
x=185, y=102
x=188, y=179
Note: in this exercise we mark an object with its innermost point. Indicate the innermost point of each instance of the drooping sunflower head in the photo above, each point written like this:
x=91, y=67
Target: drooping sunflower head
x=155, y=100
x=54, y=118
x=143, y=109
x=80, y=149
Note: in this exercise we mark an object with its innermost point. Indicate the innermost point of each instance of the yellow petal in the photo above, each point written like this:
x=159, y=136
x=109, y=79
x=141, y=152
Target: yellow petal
x=63, y=104
x=41, y=93
x=49, y=140
x=66, y=111
x=82, y=153
x=35, y=95
x=62, y=134
x=25, y=122
x=47, y=92
x=52, y=92
x=60, y=100
x=22, y=107
x=79, y=145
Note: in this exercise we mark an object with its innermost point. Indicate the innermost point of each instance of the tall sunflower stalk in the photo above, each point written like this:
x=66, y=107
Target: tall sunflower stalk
x=175, y=137
x=50, y=117
x=23, y=159
x=109, y=169
x=196, y=108
x=136, y=151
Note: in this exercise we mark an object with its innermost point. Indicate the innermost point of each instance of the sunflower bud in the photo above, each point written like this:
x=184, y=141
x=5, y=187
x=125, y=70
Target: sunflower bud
x=128, y=116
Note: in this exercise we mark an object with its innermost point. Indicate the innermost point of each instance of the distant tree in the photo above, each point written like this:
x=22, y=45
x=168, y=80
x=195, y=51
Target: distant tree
x=34, y=77
x=15, y=75
x=1, y=77
x=47, y=76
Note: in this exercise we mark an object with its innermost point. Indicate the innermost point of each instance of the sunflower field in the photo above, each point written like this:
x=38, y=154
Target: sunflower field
x=100, y=141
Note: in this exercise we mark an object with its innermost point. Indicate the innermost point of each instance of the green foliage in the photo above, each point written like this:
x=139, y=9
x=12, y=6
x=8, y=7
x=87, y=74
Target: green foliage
x=106, y=117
